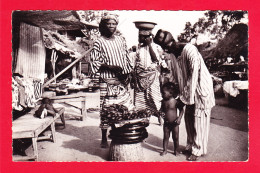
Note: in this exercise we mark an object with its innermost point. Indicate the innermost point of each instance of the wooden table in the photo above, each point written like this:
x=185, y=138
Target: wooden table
x=28, y=126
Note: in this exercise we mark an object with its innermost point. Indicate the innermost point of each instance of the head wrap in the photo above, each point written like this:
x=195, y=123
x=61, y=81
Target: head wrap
x=110, y=16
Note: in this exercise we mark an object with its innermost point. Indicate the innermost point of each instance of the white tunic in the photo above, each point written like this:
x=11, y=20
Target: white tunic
x=196, y=85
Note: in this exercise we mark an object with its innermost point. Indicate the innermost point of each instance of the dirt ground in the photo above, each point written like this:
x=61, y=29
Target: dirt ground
x=80, y=141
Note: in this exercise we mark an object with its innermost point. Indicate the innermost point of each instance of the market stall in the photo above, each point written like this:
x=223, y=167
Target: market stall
x=237, y=93
x=67, y=36
x=34, y=33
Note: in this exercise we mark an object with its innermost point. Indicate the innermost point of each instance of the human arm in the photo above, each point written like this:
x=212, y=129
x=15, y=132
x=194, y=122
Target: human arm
x=181, y=107
x=113, y=68
x=50, y=109
x=96, y=58
x=148, y=41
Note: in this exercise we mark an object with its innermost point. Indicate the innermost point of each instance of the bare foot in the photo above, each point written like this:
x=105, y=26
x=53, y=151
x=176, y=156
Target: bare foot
x=104, y=144
x=163, y=153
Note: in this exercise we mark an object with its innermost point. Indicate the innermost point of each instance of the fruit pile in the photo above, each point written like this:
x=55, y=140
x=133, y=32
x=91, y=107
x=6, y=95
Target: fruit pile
x=116, y=113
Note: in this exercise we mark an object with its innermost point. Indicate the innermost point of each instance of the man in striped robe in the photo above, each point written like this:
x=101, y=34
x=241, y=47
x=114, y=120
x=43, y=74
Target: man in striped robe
x=110, y=59
x=196, y=91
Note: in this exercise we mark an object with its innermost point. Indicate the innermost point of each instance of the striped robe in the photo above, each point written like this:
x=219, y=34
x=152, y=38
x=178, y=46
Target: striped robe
x=111, y=52
x=196, y=91
x=150, y=98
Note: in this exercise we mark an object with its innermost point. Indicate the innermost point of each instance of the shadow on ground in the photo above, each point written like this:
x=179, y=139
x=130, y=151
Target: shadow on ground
x=154, y=143
x=224, y=115
x=87, y=140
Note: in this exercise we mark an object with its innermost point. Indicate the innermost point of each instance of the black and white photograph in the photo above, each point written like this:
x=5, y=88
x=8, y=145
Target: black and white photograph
x=130, y=86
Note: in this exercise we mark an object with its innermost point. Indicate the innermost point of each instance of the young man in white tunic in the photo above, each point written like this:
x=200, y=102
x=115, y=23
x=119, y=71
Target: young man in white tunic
x=196, y=91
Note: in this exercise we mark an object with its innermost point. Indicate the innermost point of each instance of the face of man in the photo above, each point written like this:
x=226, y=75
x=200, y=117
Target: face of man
x=168, y=48
x=111, y=26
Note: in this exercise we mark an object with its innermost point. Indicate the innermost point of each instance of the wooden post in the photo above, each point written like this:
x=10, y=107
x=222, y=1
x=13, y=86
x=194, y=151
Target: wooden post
x=65, y=69
x=54, y=58
x=53, y=132
x=35, y=148
x=80, y=64
x=74, y=72
x=84, y=110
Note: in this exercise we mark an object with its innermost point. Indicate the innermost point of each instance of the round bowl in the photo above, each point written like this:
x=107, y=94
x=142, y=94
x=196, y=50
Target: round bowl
x=144, y=25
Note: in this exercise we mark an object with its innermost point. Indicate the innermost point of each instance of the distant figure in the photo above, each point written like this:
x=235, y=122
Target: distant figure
x=132, y=55
x=242, y=59
x=229, y=59
x=170, y=104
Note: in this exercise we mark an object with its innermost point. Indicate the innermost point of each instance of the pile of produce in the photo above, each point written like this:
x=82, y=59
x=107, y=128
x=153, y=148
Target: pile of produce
x=116, y=113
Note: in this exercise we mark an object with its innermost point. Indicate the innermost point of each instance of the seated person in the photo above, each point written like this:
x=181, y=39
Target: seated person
x=47, y=108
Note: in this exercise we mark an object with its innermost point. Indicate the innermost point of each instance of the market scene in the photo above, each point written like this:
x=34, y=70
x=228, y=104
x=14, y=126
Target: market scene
x=131, y=86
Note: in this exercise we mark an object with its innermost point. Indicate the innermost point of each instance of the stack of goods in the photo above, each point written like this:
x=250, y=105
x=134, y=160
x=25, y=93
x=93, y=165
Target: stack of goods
x=127, y=127
x=129, y=133
x=24, y=92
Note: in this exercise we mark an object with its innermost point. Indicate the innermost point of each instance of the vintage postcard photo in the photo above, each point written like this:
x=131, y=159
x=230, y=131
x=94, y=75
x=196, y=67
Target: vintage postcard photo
x=129, y=86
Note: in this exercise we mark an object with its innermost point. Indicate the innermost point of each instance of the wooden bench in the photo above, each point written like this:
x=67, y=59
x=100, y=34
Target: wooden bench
x=81, y=100
x=28, y=126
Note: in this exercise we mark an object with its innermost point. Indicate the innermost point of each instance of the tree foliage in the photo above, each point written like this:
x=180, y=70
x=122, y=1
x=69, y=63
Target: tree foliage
x=214, y=25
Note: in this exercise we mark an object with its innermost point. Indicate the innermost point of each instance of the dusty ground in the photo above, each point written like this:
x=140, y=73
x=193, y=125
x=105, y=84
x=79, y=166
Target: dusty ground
x=79, y=141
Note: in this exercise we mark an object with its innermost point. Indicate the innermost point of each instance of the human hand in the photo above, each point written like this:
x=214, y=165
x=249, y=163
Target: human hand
x=178, y=121
x=116, y=69
x=148, y=40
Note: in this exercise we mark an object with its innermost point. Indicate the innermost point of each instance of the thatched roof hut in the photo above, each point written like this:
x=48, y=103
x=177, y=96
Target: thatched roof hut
x=33, y=31
x=234, y=44
x=52, y=20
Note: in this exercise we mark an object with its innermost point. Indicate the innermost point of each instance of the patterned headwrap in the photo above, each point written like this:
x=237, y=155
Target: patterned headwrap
x=110, y=16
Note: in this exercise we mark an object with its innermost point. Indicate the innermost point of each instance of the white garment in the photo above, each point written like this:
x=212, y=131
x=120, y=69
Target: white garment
x=232, y=87
x=195, y=82
x=197, y=127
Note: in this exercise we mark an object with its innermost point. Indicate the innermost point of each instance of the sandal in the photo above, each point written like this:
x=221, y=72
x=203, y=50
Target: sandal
x=192, y=158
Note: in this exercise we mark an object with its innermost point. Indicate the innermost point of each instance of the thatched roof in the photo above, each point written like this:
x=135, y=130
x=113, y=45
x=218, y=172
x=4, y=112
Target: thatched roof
x=234, y=44
x=52, y=20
